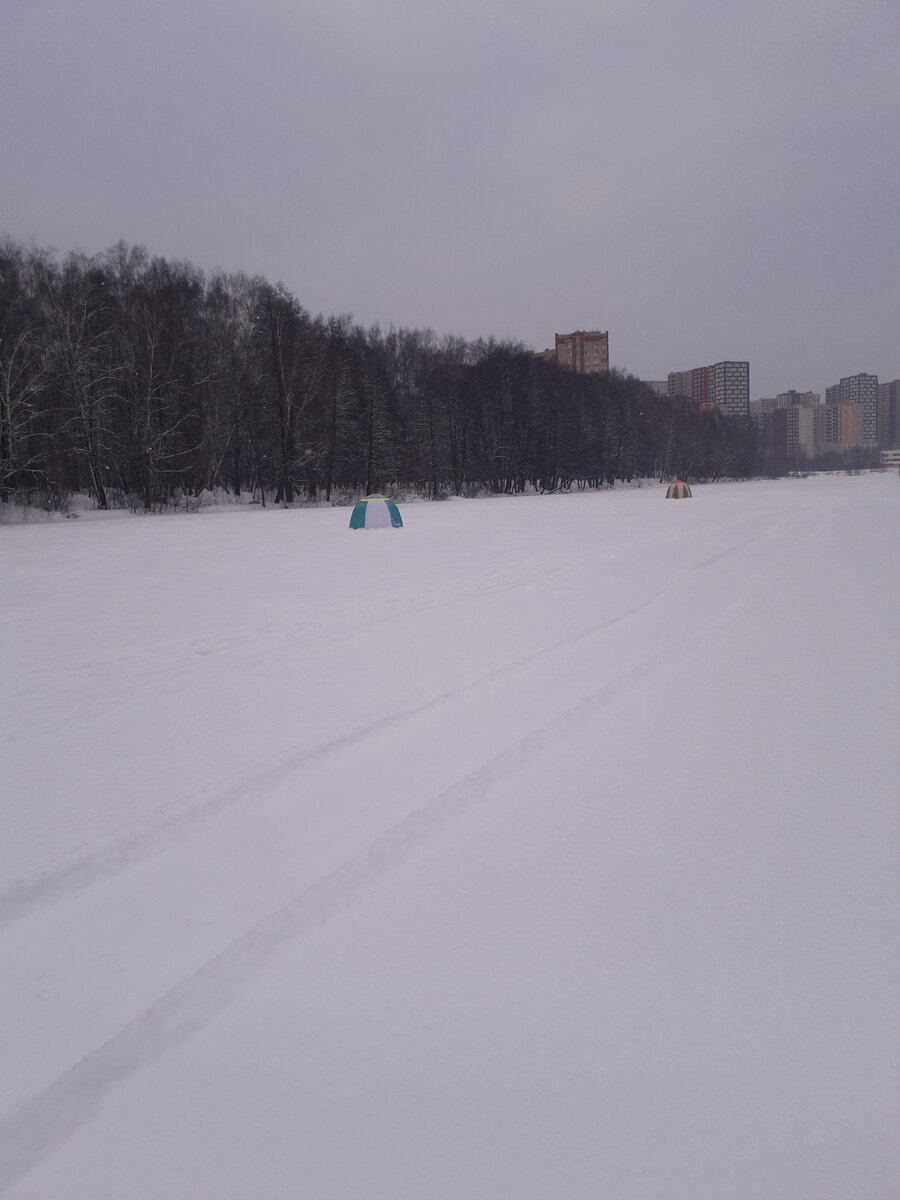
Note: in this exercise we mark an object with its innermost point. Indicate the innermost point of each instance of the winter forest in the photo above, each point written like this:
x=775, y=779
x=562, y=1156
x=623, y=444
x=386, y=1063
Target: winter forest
x=145, y=383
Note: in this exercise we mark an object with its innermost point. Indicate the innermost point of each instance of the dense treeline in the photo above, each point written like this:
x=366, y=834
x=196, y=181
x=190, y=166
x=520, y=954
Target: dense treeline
x=145, y=382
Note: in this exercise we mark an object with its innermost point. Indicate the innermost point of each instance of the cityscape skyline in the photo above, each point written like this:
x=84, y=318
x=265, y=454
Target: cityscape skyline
x=705, y=180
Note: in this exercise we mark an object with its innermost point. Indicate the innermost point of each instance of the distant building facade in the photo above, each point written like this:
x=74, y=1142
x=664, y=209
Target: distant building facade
x=887, y=420
x=729, y=388
x=784, y=435
x=584, y=351
x=861, y=390
x=838, y=428
x=792, y=399
x=791, y=434
x=659, y=387
x=679, y=389
x=724, y=385
x=859, y=414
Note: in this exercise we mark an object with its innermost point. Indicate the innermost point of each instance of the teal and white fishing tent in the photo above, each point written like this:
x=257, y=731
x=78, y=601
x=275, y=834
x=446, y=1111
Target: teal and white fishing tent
x=376, y=512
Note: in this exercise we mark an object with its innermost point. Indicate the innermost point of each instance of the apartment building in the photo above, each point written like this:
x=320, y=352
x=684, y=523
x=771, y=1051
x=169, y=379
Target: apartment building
x=887, y=420
x=791, y=433
x=700, y=394
x=861, y=390
x=724, y=385
x=858, y=413
x=793, y=399
x=784, y=435
x=584, y=351
x=689, y=389
x=678, y=389
x=729, y=388
x=838, y=427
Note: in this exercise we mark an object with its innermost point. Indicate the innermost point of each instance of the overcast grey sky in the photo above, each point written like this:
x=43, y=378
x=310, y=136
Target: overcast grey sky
x=706, y=179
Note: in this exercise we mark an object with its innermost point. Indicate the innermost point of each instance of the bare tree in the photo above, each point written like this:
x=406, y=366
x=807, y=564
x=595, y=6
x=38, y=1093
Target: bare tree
x=22, y=379
x=79, y=337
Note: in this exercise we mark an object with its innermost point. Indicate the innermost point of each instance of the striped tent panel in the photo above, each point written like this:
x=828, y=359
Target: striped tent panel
x=375, y=512
x=678, y=490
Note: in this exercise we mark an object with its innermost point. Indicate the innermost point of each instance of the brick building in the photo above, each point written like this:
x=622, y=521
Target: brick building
x=584, y=351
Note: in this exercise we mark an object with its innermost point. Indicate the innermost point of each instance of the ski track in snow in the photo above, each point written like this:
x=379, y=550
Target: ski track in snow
x=156, y=834
x=120, y=670
x=69, y=1103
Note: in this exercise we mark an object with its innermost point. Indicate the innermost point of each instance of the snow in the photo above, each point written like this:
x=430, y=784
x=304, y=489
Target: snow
x=545, y=847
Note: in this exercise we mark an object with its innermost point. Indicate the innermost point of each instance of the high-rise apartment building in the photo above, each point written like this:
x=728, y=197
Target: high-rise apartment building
x=792, y=399
x=724, y=385
x=700, y=387
x=729, y=388
x=784, y=434
x=678, y=389
x=887, y=423
x=791, y=434
x=806, y=430
x=859, y=389
x=858, y=413
x=584, y=351
x=837, y=427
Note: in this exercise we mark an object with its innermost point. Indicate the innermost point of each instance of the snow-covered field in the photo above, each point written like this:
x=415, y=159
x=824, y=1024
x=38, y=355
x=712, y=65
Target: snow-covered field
x=547, y=848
